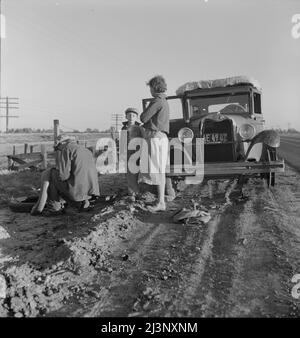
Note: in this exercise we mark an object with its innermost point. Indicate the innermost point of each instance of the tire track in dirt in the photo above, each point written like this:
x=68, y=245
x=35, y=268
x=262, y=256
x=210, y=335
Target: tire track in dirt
x=155, y=259
x=239, y=264
x=248, y=271
x=187, y=301
x=264, y=268
x=162, y=258
x=121, y=287
x=128, y=281
x=180, y=250
x=215, y=273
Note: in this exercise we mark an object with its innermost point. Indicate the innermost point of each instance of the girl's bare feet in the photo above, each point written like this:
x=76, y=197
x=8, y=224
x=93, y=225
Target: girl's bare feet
x=157, y=207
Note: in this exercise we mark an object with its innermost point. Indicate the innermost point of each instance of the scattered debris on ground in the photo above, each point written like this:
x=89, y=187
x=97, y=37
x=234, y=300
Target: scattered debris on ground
x=217, y=251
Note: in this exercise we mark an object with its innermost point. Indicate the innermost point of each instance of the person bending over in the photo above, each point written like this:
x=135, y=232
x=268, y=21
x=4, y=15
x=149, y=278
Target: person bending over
x=73, y=180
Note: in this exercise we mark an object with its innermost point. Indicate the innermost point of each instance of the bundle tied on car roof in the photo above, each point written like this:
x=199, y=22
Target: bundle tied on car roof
x=218, y=83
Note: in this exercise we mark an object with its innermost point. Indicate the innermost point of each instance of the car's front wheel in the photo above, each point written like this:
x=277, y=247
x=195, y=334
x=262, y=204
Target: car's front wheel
x=270, y=154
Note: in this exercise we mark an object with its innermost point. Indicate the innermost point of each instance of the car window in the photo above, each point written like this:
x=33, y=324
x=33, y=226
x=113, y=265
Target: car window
x=175, y=108
x=257, y=103
x=175, y=105
x=225, y=104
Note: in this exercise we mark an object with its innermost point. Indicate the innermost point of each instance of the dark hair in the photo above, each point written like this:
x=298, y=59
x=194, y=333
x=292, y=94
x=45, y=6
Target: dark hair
x=158, y=83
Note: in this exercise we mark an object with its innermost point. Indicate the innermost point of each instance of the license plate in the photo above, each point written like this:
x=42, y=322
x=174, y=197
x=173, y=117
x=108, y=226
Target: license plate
x=215, y=138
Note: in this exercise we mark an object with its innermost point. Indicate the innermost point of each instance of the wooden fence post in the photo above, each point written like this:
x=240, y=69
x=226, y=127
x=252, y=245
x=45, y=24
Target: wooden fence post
x=56, y=130
x=10, y=160
x=25, y=148
x=10, y=163
x=44, y=156
x=31, y=149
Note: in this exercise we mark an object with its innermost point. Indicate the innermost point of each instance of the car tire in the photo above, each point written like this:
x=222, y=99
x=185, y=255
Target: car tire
x=271, y=155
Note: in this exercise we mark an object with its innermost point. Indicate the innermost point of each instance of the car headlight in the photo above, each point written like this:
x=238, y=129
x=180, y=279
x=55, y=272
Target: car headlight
x=185, y=135
x=246, y=131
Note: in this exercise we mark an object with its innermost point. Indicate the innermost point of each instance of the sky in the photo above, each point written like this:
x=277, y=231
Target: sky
x=80, y=61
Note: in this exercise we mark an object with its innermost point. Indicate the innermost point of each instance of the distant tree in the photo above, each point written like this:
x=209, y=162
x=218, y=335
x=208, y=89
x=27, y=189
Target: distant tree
x=90, y=130
x=287, y=131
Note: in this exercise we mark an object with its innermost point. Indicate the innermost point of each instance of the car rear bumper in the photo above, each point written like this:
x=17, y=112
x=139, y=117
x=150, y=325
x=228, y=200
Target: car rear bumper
x=220, y=169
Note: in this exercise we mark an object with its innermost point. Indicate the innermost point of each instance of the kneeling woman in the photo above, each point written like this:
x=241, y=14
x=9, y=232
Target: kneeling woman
x=74, y=179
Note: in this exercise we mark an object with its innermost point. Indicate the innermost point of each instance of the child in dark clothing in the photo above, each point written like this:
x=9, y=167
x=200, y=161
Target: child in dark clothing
x=133, y=130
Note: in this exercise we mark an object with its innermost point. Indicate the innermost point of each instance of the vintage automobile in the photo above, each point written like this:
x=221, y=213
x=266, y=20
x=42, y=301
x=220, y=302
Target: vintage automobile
x=226, y=115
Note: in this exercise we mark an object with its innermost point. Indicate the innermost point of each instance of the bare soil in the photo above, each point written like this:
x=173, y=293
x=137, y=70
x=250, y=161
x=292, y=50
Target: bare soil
x=121, y=260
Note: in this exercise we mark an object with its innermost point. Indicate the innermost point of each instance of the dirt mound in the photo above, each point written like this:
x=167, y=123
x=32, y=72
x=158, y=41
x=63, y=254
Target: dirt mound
x=33, y=292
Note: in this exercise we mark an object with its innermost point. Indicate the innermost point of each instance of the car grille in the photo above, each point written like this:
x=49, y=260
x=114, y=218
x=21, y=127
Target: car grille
x=218, y=141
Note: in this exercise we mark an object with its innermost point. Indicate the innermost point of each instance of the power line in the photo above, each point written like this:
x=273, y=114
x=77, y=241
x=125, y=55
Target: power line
x=116, y=119
x=0, y=49
x=8, y=103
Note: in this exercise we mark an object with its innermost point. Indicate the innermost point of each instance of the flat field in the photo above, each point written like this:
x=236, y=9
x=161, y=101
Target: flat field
x=8, y=141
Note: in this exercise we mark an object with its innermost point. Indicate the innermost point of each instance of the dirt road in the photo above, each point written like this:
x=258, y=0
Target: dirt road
x=124, y=261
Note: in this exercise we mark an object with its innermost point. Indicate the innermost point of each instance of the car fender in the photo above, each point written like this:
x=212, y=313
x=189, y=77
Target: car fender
x=268, y=137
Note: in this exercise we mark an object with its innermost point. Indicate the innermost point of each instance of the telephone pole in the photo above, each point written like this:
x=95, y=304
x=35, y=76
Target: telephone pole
x=8, y=103
x=0, y=51
x=117, y=118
